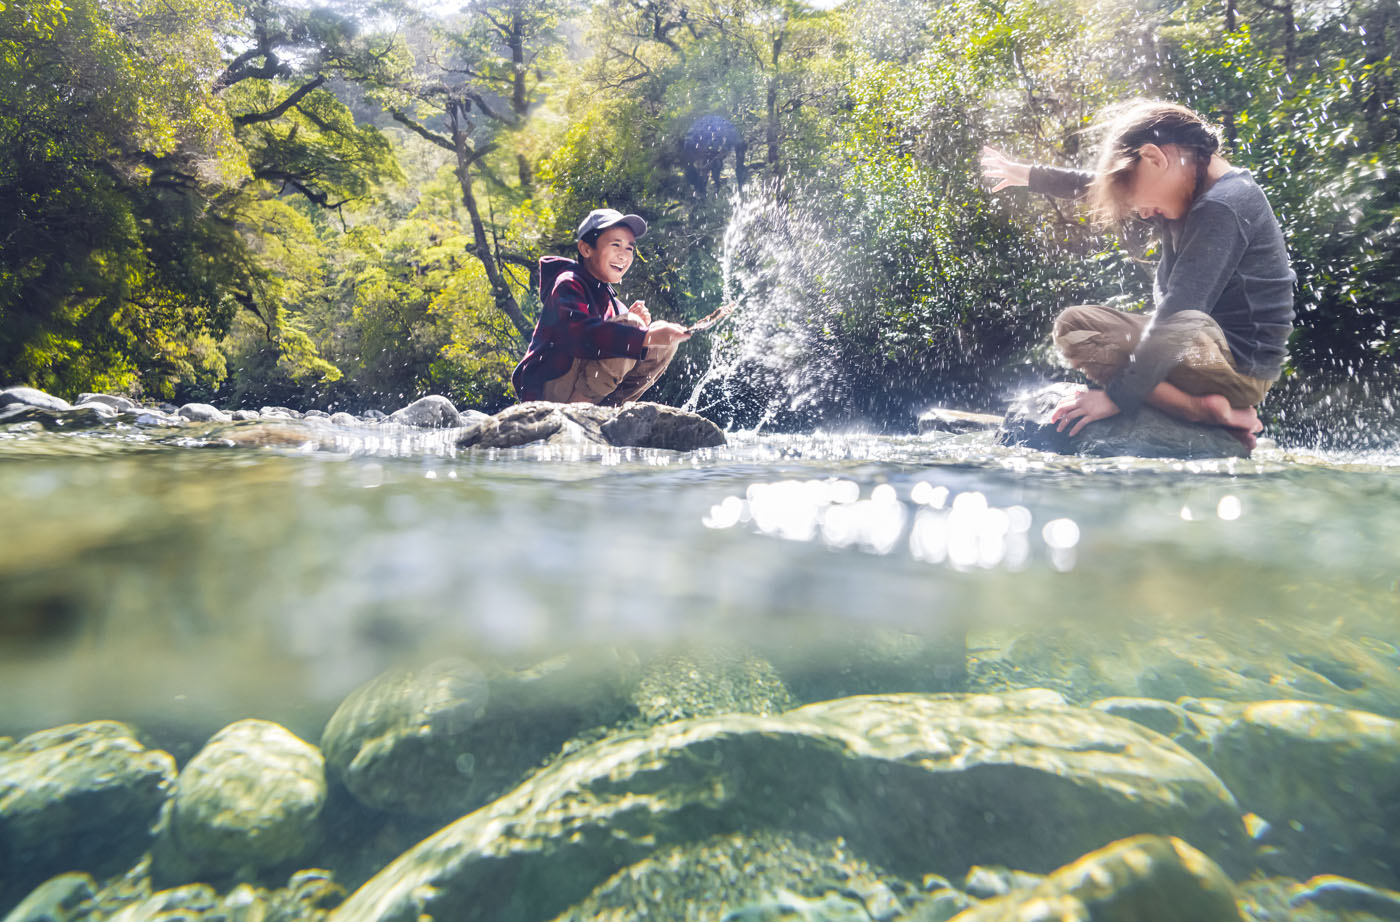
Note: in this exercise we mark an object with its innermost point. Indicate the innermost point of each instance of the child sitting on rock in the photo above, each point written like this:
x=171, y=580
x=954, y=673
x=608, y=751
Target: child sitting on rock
x=1223, y=290
x=587, y=347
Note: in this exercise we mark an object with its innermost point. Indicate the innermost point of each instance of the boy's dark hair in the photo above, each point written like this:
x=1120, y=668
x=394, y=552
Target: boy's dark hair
x=1130, y=126
x=591, y=238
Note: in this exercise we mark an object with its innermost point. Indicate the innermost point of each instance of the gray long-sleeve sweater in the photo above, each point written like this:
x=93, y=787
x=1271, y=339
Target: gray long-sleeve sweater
x=1227, y=258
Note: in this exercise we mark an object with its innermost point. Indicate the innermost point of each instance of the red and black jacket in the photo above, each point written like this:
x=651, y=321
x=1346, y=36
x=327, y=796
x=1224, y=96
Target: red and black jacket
x=573, y=324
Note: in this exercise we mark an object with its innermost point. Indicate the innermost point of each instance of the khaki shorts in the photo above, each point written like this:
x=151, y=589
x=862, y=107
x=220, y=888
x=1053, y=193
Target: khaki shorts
x=610, y=382
x=1099, y=340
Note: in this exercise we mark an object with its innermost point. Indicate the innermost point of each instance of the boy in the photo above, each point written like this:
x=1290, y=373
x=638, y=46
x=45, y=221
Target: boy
x=587, y=347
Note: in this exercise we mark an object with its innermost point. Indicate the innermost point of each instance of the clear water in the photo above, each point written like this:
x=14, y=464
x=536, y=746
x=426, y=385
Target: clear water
x=182, y=581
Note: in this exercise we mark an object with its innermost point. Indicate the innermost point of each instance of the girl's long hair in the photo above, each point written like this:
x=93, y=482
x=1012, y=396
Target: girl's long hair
x=1124, y=129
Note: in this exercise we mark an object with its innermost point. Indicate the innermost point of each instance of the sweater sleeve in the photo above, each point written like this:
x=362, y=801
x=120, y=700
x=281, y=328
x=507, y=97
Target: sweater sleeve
x=1058, y=182
x=587, y=336
x=1211, y=246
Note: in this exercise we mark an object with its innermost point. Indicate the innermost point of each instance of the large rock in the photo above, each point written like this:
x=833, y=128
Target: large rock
x=431, y=412
x=637, y=425
x=250, y=798
x=1141, y=879
x=1146, y=433
x=114, y=401
x=1327, y=779
x=58, y=899
x=204, y=413
x=911, y=782
x=442, y=740
x=31, y=397
x=79, y=797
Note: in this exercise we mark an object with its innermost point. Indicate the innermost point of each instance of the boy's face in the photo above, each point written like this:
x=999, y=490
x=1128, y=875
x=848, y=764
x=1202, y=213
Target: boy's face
x=1162, y=183
x=609, y=258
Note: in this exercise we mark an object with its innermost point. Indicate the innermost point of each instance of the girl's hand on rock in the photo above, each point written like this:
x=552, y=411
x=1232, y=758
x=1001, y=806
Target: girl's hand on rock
x=1082, y=408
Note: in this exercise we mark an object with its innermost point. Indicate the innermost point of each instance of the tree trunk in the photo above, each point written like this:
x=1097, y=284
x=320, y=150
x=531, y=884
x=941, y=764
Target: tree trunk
x=481, y=248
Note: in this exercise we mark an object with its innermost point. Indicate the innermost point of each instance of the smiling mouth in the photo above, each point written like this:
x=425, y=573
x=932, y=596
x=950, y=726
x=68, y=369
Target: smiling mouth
x=617, y=268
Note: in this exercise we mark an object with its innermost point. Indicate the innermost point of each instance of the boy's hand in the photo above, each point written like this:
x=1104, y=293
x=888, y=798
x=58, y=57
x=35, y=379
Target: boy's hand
x=663, y=333
x=640, y=309
x=1086, y=406
x=1001, y=169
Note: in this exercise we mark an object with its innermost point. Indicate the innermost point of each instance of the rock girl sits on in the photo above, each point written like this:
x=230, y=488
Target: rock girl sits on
x=1223, y=290
x=587, y=347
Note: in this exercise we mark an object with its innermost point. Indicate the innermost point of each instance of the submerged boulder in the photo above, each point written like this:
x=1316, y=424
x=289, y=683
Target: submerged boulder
x=635, y=425
x=1141, y=879
x=250, y=798
x=1145, y=433
x=79, y=797
x=911, y=782
x=442, y=740
x=1324, y=777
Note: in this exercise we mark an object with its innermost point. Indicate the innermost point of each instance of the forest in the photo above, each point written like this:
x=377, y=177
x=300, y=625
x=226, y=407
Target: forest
x=267, y=202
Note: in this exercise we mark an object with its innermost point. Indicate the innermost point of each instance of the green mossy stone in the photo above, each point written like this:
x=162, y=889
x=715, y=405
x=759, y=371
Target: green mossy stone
x=913, y=783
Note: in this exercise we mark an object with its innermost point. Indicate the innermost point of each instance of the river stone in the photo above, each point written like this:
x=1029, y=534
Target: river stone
x=204, y=413
x=279, y=413
x=245, y=415
x=83, y=417
x=115, y=401
x=636, y=425
x=911, y=782
x=706, y=681
x=442, y=740
x=102, y=409
x=431, y=412
x=344, y=419
x=250, y=798
x=32, y=398
x=79, y=797
x=1145, y=878
x=940, y=419
x=1145, y=433
x=1326, y=778
x=59, y=899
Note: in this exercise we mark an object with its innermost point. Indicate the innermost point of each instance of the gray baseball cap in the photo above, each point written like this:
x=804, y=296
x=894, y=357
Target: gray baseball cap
x=600, y=219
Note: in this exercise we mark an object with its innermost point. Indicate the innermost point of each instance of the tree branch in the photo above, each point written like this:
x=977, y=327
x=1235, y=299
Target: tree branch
x=281, y=108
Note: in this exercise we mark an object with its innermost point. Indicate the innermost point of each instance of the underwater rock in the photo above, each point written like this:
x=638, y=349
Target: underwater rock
x=83, y=417
x=115, y=401
x=250, y=798
x=934, y=780
x=79, y=797
x=1146, y=433
x=58, y=899
x=704, y=682
x=1324, y=777
x=940, y=419
x=442, y=740
x=1166, y=717
x=984, y=883
x=1328, y=891
x=637, y=425
x=203, y=413
x=31, y=397
x=749, y=877
x=431, y=412
x=1145, y=878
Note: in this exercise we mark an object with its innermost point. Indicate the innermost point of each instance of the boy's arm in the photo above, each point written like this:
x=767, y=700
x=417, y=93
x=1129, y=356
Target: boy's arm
x=1210, y=251
x=587, y=336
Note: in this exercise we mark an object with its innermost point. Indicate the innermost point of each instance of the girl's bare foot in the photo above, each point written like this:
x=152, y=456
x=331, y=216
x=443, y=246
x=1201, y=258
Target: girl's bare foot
x=1241, y=422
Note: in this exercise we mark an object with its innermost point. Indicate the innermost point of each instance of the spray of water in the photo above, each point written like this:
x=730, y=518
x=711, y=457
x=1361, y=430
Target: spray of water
x=778, y=353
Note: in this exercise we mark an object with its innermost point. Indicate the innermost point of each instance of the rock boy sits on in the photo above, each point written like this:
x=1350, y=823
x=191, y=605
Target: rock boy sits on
x=1223, y=290
x=587, y=347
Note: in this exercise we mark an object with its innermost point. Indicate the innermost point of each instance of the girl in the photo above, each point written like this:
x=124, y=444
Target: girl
x=1223, y=291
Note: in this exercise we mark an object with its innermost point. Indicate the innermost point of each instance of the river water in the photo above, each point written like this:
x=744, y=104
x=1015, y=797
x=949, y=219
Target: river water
x=184, y=581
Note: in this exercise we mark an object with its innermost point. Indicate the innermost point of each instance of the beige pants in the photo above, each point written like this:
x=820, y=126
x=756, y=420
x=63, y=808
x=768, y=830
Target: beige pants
x=610, y=382
x=1098, y=341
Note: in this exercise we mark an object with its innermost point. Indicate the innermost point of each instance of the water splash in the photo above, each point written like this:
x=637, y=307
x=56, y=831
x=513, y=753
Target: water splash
x=778, y=353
